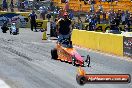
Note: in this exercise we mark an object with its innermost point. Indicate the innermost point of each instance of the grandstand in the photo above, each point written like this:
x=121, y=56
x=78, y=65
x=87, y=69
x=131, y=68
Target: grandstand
x=78, y=5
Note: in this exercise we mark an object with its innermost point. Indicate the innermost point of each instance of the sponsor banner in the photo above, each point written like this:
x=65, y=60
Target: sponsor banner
x=103, y=78
x=83, y=78
x=21, y=19
x=104, y=27
x=127, y=46
x=41, y=24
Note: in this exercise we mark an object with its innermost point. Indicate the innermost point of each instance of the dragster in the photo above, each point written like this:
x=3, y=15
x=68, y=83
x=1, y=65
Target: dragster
x=65, y=51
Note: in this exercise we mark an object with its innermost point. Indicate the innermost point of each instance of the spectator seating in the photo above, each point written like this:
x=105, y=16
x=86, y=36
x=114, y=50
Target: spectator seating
x=78, y=5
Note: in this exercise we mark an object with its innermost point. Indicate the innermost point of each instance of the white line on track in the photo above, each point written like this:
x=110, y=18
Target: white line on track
x=3, y=84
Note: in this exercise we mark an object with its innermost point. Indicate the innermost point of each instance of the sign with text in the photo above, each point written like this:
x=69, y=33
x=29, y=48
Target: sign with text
x=127, y=46
x=83, y=78
x=21, y=20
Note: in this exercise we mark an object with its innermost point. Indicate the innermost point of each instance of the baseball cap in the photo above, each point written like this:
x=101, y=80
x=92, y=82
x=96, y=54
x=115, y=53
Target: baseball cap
x=65, y=14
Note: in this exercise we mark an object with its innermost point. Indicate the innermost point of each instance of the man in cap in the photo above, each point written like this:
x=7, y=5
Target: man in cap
x=64, y=27
x=33, y=18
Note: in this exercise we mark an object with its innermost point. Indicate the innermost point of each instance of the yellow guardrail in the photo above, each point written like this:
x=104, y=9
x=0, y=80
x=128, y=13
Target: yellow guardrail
x=109, y=43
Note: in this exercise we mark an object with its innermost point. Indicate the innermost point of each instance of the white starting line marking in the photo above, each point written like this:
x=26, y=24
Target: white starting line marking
x=3, y=84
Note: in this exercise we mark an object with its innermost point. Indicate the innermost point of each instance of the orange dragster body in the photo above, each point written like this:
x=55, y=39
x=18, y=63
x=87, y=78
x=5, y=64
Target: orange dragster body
x=67, y=53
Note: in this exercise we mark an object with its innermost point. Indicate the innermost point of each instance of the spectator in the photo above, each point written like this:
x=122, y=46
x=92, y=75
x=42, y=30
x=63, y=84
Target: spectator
x=22, y=7
x=61, y=11
x=18, y=5
x=98, y=17
x=92, y=1
x=66, y=7
x=127, y=15
x=112, y=24
x=5, y=5
x=52, y=8
x=100, y=8
x=113, y=28
x=116, y=1
x=63, y=1
x=53, y=28
x=48, y=16
x=5, y=27
x=71, y=15
x=26, y=4
x=108, y=1
x=66, y=0
x=87, y=17
x=55, y=14
x=85, y=2
x=129, y=23
x=112, y=15
x=43, y=12
x=104, y=17
x=92, y=8
x=118, y=18
x=80, y=23
x=126, y=28
x=12, y=6
x=89, y=1
x=123, y=18
x=92, y=24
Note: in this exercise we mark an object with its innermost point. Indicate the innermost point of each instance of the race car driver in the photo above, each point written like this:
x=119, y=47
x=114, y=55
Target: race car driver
x=63, y=28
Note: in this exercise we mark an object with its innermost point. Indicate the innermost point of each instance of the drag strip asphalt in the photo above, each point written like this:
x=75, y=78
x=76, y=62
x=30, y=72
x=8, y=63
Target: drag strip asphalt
x=25, y=62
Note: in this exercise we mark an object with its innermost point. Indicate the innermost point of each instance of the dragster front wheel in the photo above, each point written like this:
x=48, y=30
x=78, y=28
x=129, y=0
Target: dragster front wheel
x=54, y=54
x=73, y=61
x=87, y=60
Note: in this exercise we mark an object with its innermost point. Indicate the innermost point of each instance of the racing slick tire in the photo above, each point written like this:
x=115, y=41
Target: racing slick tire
x=87, y=60
x=73, y=61
x=54, y=54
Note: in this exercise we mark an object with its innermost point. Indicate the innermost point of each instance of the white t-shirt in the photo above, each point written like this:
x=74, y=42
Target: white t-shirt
x=123, y=17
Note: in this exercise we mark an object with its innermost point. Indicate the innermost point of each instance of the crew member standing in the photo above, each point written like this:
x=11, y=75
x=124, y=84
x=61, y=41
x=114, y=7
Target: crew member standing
x=64, y=27
x=33, y=18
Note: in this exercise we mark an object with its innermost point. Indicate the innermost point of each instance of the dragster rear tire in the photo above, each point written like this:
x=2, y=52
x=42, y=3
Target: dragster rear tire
x=54, y=54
